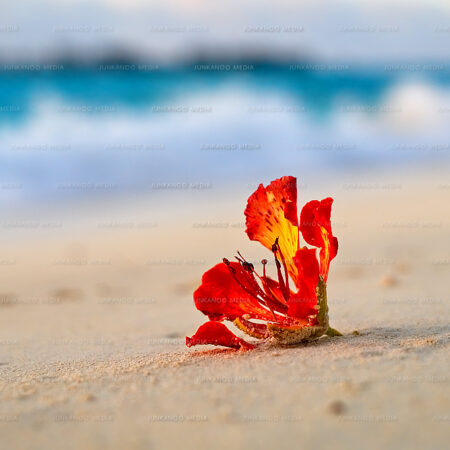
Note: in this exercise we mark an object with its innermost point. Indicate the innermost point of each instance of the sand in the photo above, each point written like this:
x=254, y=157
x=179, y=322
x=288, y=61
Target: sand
x=94, y=312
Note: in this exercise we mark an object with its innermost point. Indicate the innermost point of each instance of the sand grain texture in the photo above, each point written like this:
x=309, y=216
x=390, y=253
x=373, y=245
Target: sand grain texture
x=92, y=355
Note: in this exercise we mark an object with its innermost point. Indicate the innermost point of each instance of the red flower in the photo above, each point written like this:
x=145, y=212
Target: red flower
x=291, y=308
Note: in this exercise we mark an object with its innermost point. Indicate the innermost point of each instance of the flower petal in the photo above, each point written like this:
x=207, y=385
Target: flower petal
x=315, y=226
x=256, y=330
x=303, y=303
x=216, y=333
x=272, y=287
x=221, y=297
x=272, y=213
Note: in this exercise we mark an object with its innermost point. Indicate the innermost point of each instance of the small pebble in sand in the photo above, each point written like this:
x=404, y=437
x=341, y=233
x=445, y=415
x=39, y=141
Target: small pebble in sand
x=337, y=407
x=388, y=281
x=67, y=294
x=173, y=335
x=87, y=397
x=356, y=333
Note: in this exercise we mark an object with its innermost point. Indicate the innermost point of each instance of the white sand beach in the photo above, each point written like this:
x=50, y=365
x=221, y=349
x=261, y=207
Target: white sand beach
x=94, y=313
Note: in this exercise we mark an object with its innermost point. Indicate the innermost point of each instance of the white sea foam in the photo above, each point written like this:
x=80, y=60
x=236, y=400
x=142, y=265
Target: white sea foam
x=66, y=150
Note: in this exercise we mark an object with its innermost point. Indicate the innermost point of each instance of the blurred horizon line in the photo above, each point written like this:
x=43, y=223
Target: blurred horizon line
x=205, y=61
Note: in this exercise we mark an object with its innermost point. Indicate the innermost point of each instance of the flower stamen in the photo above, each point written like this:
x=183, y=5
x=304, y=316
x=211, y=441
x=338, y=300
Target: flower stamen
x=284, y=266
x=250, y=285
x=283, y=287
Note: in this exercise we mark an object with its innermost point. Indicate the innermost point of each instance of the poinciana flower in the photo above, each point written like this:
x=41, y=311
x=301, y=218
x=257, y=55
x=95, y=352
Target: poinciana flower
x=290, y=309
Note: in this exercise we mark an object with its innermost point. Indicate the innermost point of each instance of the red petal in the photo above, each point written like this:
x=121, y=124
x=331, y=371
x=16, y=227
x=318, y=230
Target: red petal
x=220, y=296
x=257, y=330
x=272, y=287
x=272, y=213
x=315, y=226
x=302, y=303
x=216, y=333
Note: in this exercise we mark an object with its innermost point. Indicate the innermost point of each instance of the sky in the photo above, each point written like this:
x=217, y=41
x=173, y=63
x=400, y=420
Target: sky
x=364, y=32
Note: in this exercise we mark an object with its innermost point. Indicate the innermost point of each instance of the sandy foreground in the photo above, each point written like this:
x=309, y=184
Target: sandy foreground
x=93, y=318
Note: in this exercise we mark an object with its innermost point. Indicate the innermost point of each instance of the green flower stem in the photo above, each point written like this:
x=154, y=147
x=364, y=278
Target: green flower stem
x=322, y=315
x=332, y=332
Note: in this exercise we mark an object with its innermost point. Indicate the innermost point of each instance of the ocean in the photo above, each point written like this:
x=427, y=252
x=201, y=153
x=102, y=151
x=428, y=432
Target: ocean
x=69, y=132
